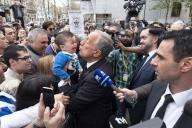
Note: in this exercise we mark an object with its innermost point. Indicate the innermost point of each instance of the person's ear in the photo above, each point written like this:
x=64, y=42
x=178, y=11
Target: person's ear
x=62, y=47
x=12, y=62
x=155, y=39
x=186, y=64
x=97, y=53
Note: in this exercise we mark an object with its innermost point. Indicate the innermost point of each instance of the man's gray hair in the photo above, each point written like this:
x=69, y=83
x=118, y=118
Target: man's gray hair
x=104, y=43
x=34, y=33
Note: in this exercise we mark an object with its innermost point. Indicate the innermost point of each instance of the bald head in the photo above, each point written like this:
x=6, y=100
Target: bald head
x=178, y=25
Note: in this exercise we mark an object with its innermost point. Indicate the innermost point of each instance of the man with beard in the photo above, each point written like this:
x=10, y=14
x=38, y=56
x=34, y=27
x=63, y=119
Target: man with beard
x=145, y=73
x=123, y=65
x=169, y=96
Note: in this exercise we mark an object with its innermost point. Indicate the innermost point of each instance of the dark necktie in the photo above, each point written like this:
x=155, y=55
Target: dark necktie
x=141, y=63
x=161, y=112
x=144, y=59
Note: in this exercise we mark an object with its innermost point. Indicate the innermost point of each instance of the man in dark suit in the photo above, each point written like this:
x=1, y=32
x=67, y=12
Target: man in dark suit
x=144, y=72
x=91, y=103
x=18, y=13
x=173, y=66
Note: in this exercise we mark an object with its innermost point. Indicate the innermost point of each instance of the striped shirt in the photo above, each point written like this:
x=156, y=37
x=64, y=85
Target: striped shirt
x=7, y=104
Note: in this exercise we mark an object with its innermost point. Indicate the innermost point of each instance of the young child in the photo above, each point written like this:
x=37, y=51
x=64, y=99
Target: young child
x=66, y=62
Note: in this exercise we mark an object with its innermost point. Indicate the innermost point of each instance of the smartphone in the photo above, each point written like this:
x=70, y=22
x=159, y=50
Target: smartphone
x=48, y=97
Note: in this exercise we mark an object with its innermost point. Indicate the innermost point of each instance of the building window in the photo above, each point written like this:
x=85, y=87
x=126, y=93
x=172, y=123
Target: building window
x=176, y=9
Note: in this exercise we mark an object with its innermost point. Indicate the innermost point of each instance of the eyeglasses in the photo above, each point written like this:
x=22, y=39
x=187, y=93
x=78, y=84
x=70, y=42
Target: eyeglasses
x=51, y=29
x=123, y=36
x=10, y=33
x=25, y=58
x=112, y=33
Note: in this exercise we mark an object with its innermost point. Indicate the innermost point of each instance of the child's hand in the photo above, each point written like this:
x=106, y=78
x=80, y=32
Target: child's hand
x=68, y=82
x=64, y=83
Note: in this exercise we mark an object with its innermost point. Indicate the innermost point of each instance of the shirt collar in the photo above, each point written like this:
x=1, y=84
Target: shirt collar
x=31, y=49
x=15, y=74
x=54, y=50
x=89, y=64
x=180, y=98
x=151, y=53
x=64, y=52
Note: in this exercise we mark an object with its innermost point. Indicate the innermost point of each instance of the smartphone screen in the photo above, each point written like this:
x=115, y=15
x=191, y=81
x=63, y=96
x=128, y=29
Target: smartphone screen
x=48, y=97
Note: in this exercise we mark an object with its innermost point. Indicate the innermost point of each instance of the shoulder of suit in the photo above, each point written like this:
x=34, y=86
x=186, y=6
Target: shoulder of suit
x=159, y=83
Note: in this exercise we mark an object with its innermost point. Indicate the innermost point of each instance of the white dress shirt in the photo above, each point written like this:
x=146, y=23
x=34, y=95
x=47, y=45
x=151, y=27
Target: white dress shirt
x=174, y=109
x=91, y=63
x=151, y=53
x=11, y=82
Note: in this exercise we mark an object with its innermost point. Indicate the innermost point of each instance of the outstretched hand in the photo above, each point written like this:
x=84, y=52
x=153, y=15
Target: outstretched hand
x=136, y=49
x=123, y=92
x=120, y=45
x=50, y=118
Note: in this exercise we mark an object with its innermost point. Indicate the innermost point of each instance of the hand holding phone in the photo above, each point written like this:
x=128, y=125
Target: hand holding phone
x=48, y=97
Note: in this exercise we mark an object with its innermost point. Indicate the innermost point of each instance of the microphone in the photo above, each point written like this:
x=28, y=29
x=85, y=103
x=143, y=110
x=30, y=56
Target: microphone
x=105, y=81
x=121, y=122
x=118, y=122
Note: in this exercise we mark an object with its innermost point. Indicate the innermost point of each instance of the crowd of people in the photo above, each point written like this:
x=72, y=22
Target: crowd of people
x=147, y=62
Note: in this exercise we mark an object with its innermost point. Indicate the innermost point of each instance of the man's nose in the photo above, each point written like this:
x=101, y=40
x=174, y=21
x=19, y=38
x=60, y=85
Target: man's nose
x=153, y=62
x=30, y=59
x=46, y=45
x=6, y=41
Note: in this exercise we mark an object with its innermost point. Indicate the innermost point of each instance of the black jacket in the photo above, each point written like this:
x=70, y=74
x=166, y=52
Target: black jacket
x=92, y=103
x=157, y=90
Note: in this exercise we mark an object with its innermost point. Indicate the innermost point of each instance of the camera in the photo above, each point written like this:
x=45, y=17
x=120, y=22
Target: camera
x=134, y=7
x=132, y=24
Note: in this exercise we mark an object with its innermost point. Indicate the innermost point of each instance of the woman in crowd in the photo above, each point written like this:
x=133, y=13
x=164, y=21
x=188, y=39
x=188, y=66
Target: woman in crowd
x=45, y=64
x=29, y=90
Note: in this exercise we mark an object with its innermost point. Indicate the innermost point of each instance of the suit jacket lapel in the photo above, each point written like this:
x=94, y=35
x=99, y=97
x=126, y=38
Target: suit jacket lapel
x=91, y=68
x=137, y=74
x=156, y=92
